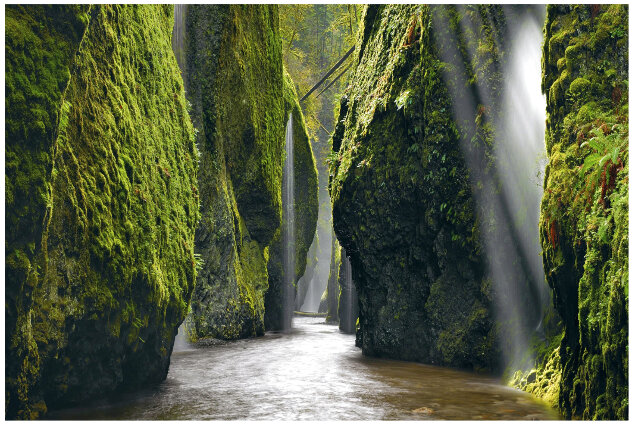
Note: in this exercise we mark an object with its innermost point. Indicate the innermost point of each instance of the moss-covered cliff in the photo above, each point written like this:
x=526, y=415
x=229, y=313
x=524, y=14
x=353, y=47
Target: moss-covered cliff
x=402, y=192
x=584, y=216
x=241, y=102
x=100, y=182
x=305, y=207
x=235, y=80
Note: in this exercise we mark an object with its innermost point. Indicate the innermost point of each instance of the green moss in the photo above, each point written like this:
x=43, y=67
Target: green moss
x=236, y=88
x=115, y=265
x=40, y=46
x=579, y=86
x=403, y=201
x=543, y=381
x=583, y=235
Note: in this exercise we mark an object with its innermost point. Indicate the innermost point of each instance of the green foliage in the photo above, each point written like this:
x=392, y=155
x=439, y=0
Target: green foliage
x=314, y=37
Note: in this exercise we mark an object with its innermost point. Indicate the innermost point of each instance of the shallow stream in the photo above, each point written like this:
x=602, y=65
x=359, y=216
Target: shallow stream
x=313, y=373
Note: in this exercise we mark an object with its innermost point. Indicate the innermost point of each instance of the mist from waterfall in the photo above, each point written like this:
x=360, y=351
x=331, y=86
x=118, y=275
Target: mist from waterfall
x=522, y=156
x=317, y=280
x=507, y=196
x=289, y=238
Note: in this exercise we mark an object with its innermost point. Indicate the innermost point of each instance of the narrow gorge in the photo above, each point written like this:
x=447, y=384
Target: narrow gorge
x=316, y=212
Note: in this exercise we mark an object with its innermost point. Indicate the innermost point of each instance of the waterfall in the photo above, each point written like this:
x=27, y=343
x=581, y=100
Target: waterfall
x=181, y=341
x=289, y=240
x=318, y=278
x=522, y=158
x=178, y=38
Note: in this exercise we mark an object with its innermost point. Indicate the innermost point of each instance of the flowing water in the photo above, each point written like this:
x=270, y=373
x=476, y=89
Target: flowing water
x=178, y=37
x=289, y=240
x=313, y=372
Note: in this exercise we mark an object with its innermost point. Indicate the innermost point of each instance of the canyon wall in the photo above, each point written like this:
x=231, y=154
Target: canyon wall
x=101, y=202
x=584, y=215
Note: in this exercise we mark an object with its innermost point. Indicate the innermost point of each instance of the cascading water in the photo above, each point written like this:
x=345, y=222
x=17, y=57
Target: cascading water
x=178, y=46
x=289, y=240
x=178, y=38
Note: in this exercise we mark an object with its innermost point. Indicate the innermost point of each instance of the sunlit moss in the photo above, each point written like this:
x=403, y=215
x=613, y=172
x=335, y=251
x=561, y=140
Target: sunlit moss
x=111, y=236
x=582, y=230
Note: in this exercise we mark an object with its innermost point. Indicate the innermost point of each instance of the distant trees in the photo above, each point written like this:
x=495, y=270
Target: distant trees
x=314, y=37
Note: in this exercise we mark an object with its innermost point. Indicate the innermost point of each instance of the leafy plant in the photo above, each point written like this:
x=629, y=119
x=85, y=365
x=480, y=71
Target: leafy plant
x=199, y=262
x=603, y=162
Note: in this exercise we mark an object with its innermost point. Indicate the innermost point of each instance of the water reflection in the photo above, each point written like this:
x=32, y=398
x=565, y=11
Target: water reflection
x=312, y=373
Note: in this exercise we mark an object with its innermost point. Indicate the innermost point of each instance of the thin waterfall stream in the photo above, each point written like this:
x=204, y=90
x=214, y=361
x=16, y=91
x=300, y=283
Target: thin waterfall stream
x=178, y=40
x=289, y=237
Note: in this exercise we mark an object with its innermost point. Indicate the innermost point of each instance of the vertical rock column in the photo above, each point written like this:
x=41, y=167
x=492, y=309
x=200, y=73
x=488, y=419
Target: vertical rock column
x=402, y=191
x=306, y=214
x=235, y=84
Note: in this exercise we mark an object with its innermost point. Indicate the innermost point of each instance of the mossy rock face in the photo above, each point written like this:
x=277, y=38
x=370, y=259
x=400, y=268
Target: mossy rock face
x=584, y=218
x=414, y=143
x=305, y=210
x=95, y=299
x=235, y=84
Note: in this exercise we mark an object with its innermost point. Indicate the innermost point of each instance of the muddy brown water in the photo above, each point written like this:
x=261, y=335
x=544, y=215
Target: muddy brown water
x=313, y=373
